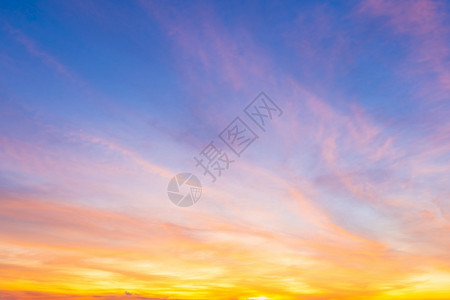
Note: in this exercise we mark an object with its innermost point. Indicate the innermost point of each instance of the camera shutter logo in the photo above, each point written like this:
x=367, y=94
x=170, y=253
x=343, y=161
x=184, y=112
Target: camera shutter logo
x=184, y=189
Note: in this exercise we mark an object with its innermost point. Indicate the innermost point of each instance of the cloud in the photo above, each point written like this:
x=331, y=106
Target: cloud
x=424, y=23
x=32, y=47
x=333, y=191
x=31, y=295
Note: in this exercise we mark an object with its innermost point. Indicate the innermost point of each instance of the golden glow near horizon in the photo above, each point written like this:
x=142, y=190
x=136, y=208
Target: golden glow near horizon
x=189, y=263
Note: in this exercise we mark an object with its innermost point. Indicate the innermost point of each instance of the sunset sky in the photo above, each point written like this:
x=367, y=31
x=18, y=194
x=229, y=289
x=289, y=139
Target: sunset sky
x=345, y=195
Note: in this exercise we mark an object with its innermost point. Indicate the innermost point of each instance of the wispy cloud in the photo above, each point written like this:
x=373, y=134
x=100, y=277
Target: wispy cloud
x=336, y=200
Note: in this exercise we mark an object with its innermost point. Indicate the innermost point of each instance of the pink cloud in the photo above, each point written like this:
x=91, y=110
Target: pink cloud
x=424, y=21
x=32, y=47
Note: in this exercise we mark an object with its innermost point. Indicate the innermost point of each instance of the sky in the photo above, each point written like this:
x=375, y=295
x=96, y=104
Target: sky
x=343, y=193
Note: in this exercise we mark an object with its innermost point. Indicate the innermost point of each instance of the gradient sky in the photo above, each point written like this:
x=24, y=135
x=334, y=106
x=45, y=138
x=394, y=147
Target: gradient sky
x=345, y=196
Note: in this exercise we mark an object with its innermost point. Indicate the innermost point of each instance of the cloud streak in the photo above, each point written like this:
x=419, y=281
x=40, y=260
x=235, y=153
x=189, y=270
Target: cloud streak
x=337, y=200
